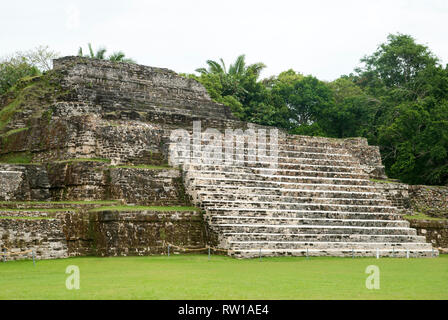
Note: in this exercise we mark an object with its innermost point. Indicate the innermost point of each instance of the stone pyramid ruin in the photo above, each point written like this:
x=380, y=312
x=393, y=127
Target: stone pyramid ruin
x=87, y=167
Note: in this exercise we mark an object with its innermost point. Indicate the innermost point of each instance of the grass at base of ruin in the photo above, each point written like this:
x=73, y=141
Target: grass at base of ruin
x=194, y=277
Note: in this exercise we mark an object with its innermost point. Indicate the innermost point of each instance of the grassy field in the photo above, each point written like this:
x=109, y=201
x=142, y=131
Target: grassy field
x=194, y=277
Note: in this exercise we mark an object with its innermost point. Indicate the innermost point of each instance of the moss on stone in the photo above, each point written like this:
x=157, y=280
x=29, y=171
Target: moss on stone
x=35, y=93
x=16, y=158
x=384, y=181
x=61, y=202
x=14, y=131
x=7, y=112
x=421, y=216
x=37, y=209
x=84, y=160
x=145, y=208
x=144, y=166
x=24, y=218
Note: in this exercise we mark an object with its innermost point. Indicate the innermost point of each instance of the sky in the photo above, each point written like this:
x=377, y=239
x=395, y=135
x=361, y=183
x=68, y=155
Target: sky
x=324, y=38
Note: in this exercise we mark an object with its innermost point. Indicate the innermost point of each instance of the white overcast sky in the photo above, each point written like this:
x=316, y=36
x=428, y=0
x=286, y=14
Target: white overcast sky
x=322, y=38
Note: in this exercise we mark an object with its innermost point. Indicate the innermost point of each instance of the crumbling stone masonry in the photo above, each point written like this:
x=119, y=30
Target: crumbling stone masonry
x=419, y=200
x=91, y=131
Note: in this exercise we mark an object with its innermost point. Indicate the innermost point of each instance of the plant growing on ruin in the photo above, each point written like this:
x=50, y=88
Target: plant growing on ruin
x=118, y=56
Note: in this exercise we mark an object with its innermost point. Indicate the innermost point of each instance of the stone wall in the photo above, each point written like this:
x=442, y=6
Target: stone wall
x=369, y=156
x=144, y=232
x=396, y=192
x=146, y=186
x=435, y=231
x=44, y=236
x=413, y=199
x=91, y=180
x=431, y=201
x=84, y=180
x=106, y=233
x=23, y=182
x=122, y=86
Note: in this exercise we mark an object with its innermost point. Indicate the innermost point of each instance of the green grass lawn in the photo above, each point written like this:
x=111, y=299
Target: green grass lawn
x=194, y=277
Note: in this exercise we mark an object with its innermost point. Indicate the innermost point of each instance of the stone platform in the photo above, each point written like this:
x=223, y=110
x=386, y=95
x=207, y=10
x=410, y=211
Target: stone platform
x=86, y=169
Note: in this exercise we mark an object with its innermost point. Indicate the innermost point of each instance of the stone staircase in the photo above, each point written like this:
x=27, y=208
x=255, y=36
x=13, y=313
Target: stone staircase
x=318, y=201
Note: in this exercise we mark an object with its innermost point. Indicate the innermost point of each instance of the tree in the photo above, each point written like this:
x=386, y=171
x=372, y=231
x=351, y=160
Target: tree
x=301, y=100
x=396, y=63
x=352, y=113
x=415, y=143
x=237, y=86
x=14, y=69
x=40, y=57
x=411, y=116
x=237, y=70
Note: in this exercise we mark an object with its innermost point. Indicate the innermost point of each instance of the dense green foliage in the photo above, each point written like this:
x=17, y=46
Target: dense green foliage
x=24, y=64
x=398, y=99
x=411, y=117
x=12, y=70
x=194, y=277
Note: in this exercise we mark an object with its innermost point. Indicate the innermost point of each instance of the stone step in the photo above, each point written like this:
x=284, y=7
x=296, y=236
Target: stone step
x=311, y=166
x=278, y=190
x=304, y=229
x=217, y=220
x=348, y=252
x=207, y=196
x=272, y=171
x=310, y=193
x=253, y=166
x=222, y=182
x=275, y=237
x=284, y=143
x=287, y=139
x=321, y=142
x=261, y=153
x=248, y=177
x=257, y=148
x=217, y=204
x=263, y=160
x=339, y=214
x=322, y=245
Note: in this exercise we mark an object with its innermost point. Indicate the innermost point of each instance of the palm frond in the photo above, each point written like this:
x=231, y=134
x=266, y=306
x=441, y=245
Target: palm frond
x=223, y=65
x=202, y=70
x=117, y=56
x=214, y=67
x=92, y=54
x=256, y=68
x=239, y=67
x=101, y=53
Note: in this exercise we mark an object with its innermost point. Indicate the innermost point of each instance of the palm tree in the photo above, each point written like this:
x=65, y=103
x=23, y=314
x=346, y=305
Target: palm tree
x=238, y=69
x=118, y=56
x=233, y=79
